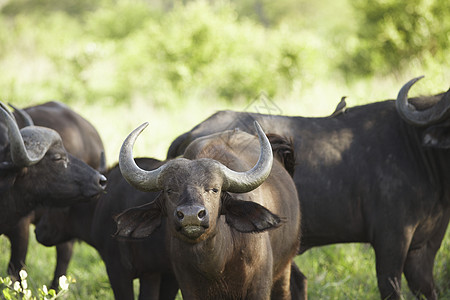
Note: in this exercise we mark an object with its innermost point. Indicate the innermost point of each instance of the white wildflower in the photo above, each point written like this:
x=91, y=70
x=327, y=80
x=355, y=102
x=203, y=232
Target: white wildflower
x=23, y=274
x=27, y=294
x=17, y=286
x=63, y=283
x=24, y=284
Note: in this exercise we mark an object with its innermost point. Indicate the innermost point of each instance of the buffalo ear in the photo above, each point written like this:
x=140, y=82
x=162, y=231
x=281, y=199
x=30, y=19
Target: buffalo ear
x=283, y=151
x=7, y=177
x=437, y=136
x=138, y=222
x=247, y=216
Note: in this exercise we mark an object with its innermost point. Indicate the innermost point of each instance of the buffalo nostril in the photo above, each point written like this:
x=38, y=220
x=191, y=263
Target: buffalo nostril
x=180, y=215
x=201, y=214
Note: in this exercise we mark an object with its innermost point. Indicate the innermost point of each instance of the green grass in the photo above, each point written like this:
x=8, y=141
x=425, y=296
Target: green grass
x=344, y=271
x=347, y=271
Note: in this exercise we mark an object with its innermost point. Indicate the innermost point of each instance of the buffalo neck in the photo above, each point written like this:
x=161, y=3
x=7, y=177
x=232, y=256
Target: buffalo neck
x=81, y=218
x=208, y=257
x=12, y=209
x=433, y=162
x=18, y=202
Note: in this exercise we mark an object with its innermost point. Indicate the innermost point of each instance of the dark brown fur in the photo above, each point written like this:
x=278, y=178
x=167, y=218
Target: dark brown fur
x=227, y=261
x=125, y=260
x=365, y=176
x=80, y=139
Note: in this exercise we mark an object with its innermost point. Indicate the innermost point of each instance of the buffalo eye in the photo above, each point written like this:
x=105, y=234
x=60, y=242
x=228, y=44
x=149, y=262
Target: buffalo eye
x=57, y=157
x=60, y=158
x=213, y=190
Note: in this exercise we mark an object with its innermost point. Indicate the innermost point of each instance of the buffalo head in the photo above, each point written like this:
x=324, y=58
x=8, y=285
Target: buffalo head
x=194, y=194
x=434, y=120
x=35, y=163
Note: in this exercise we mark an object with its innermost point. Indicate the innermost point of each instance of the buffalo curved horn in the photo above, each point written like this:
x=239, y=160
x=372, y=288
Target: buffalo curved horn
x=2, y=105
x=413, y=116
x=243, y=182
x=141, y=179
x=19, y=153
x=235, y=182
x=24, y=115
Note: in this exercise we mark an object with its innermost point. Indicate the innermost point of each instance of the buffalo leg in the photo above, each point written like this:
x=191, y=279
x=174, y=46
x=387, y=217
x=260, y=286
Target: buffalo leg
x=390, y=255
x=149, y=286
x=419, y=272
x=169, y=287
x=281, y=288
x=158, y=287
x=18, y=237
x=298, y=284
x=121, y=282
x=63, y=255
x=419, y=264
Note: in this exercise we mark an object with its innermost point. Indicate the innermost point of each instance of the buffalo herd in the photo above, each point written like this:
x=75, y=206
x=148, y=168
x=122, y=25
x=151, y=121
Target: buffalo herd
x=238, y=197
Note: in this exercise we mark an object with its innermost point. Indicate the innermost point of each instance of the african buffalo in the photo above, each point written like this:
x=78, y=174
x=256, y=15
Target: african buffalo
x=36, y=169
x=81, y=140
x=124, y=260
x=376, y=173
x=230, y=233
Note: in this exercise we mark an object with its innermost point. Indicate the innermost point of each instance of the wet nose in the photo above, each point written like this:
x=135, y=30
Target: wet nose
x=192, y=215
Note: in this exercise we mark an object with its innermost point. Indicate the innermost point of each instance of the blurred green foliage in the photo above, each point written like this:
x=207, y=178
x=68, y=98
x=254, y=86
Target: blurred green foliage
x=127, y=50
x=169, y=51
x=394, y=34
